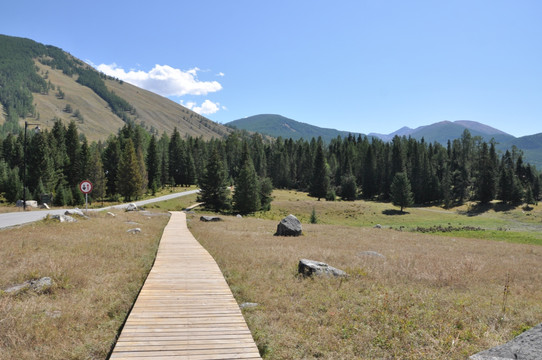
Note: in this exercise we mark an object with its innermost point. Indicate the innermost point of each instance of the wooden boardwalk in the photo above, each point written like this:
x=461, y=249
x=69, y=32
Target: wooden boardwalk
x=185, y=309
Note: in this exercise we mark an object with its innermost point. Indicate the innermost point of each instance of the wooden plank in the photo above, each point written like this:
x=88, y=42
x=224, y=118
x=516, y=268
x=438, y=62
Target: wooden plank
x=185, y=309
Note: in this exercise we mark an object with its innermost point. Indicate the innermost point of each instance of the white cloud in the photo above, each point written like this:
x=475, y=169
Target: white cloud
x=221, y=74
x=206, y=108
x=164, y=80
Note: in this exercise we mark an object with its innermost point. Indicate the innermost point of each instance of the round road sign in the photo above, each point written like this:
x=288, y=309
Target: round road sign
x=85, y=186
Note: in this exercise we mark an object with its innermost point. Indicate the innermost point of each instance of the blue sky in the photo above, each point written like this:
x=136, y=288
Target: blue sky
x=361, y=66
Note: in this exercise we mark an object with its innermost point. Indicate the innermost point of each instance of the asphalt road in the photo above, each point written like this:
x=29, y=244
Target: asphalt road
x=20, y=217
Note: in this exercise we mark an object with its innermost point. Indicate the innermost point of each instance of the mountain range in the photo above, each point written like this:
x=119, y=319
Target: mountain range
x=41, y=83
x=441, y=132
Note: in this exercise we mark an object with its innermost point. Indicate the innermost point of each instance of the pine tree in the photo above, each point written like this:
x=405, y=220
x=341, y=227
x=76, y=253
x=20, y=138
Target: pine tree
x=129, y=182
x=486, y=182
x=96, y=174
x=213, y=184
x=400, y=191
x=320, y=175
x=266, y=189
x=14, y=186
x=246, y=198
x=349, y=188
x=176, y=154
x=73, y=149
x=111, y=160
x=153, y=164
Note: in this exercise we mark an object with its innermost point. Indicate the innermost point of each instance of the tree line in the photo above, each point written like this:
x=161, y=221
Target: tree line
x=134, y=162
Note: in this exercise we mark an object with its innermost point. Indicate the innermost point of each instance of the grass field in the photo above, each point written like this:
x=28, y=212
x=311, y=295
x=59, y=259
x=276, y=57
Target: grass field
x=97, y=269
x=433, y=296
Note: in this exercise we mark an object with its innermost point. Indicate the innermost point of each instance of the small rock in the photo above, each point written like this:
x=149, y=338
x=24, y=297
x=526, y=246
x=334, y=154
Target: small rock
x=248, y=305
x=210, y=218
x=75, y=211
x=111, y=214
x=17, y=288
x=310, y=267
x=372, y=254
x=289, y=226
x=55, y=314
x=131, y=207
x=29, y=203
x=45, y=206
x=63, y=218
x=134, y=231
x=239, y=216
x=132, y=223
x=378, y=226
x=39, y=286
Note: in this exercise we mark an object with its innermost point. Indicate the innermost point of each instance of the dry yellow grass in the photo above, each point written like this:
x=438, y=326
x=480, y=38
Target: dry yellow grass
x=432, y=297
x=97, y=269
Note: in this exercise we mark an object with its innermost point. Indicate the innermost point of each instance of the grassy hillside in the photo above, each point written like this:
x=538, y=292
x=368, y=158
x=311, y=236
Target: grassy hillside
x=163, y=114
x=277, y=125
x=39, y=83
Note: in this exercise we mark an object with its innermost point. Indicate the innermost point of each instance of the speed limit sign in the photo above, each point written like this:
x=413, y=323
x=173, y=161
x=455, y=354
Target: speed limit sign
x=85, y=186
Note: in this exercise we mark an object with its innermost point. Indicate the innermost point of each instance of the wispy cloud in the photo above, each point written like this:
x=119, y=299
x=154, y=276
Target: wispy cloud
x=206, y=108
x=166, y=81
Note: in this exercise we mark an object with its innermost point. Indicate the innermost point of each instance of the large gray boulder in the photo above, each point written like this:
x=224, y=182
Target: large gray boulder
x=289, y=226
x=526, y=346
x=310, y=267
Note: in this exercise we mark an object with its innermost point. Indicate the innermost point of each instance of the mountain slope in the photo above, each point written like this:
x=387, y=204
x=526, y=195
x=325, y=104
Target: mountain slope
x=531, y=145
x=447, y=130
x=52, y=87
x=277, y=125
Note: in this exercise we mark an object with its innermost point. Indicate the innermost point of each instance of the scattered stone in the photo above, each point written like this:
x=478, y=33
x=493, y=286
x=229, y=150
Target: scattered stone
x=210, y=218
x=526, y=346
x=55, y=314
x=29, y=203
x=372, y=254
x=63, y=218
x=239, y=216
x=45, y=206
x=132, y=223
x=131, y=207
x=310, y=267
x=248, y=305
x=289, y=226
x=75, y=211
x=111, y=214
x=134, y=231
x=378, y=226
x=38, y=286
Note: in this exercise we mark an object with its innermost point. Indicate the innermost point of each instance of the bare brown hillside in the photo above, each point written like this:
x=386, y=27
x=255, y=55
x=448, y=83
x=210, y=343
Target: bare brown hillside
x=98, y=121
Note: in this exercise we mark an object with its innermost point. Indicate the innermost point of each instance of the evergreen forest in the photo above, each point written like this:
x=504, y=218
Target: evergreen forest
x=134, y=162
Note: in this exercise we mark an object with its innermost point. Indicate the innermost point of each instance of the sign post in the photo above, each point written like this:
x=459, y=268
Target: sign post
x=86, y=187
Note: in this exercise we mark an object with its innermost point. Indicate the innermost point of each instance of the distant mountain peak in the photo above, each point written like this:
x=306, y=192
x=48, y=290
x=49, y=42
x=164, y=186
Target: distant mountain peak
x=278, y=125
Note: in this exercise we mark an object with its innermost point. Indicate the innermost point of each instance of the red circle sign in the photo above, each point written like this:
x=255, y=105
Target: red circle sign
x=85, y=186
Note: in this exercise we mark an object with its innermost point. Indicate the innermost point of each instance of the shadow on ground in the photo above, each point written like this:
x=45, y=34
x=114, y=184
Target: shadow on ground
x=394, y=212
